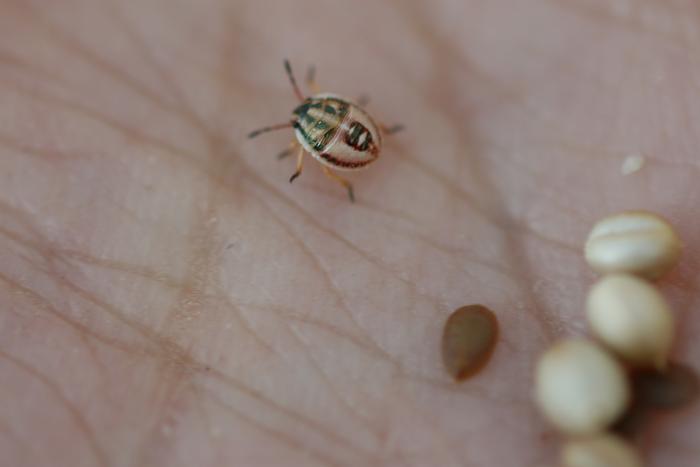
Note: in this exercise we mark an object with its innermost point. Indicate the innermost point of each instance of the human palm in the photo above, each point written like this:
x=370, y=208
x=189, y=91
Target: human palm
x=168, y=299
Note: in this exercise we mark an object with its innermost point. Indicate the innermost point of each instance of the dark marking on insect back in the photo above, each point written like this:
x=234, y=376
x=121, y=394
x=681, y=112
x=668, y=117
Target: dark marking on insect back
x=358, y=137
x=318, y=120
x=318, y=142
x=341, y=163
x=302, y=109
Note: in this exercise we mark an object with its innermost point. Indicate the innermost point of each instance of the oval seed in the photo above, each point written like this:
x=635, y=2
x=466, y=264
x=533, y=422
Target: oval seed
x=634, y=242
x=632, y=423
x=653, y=391
x=468, y=340
x=579, y=387
x=600, y=451
x=674, y=388
x=632, y=319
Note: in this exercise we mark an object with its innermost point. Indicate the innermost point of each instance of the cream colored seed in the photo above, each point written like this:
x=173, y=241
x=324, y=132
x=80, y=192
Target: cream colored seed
x=579, y=387
x=630, y=317
x=600, y=451
x=633, y=242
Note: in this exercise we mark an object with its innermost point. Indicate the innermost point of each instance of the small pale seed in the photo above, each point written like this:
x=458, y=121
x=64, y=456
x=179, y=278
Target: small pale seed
x=630, y=317
x=468, y=340
x=604, y=450
x=579, y=387
x=632, y=163
x=636, y=242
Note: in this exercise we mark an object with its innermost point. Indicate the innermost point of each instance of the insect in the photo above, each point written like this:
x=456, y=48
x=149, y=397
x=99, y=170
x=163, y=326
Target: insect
x=336, y=132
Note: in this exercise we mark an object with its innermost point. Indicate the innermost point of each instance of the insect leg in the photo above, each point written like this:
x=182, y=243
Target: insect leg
x=288, y=151
x=337, y=178
x=311, y=80
x=255, y=133
x=300, y=163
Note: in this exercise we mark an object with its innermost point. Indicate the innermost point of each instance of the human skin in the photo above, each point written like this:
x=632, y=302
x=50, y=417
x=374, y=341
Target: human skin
x=167, y=298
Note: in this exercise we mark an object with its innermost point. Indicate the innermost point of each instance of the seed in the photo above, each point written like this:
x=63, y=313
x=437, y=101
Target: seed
x=600, y=451
x=653, y=391
x=672, y=389
x=579, y=387
x=468, y=340
x=634, y=242
x=630, y=317
x=632, y=163
x=633, y=421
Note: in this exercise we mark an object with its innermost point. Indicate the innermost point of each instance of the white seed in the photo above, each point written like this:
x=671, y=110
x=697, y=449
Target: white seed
x=635, y=242
x=632, y=163
x=630, y=317
x=600, y=451
x=579, y=387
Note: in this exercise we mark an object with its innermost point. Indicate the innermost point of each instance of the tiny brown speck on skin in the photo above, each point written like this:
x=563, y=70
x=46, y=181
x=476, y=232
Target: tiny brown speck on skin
x=468, y=340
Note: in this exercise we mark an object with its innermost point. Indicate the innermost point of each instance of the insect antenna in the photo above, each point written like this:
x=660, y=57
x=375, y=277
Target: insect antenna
x=311, y=74
x=255, y=133
x=292, y=80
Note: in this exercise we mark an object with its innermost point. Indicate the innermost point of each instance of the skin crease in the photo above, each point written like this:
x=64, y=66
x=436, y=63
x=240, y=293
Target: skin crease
x=168, y=299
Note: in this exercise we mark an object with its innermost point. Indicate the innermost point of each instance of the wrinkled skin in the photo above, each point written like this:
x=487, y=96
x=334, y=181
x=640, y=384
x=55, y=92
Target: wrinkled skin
x=168, y=299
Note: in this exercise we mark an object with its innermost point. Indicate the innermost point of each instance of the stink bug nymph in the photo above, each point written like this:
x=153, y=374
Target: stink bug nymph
x=336, y=132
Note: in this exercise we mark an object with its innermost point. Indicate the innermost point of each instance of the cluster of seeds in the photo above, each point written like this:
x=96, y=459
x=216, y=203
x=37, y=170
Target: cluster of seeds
x=591, y=389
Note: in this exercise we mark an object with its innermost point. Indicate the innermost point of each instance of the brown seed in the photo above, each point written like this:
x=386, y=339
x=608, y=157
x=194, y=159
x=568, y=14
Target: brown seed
x=633, y=421
x=468, y=340
x=654, y=391
x=672, y=389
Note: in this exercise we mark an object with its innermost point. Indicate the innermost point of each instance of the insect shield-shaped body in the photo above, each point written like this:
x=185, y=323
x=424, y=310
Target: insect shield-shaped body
x=337, y=133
